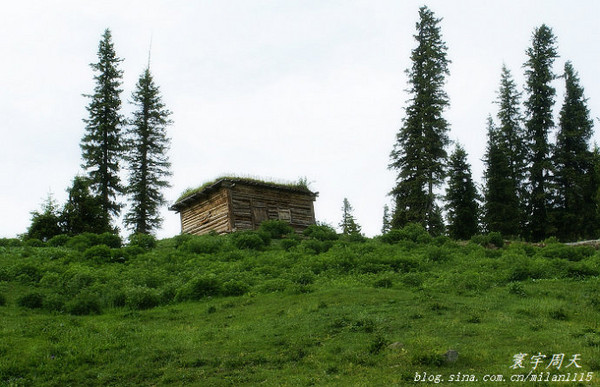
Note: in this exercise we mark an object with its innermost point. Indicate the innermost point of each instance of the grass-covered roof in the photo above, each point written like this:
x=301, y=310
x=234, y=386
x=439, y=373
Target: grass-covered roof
x=300, y=186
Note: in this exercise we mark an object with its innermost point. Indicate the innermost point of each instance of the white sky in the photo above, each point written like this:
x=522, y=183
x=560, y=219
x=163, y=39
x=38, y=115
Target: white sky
x=274, y=89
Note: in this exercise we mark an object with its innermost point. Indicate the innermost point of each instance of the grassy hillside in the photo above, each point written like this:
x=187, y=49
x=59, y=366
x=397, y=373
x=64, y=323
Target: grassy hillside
x=250, y=309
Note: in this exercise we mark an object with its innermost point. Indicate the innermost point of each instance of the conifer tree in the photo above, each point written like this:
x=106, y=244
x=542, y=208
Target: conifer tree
x=82, y=211
x=539, y=122
x=419, y=154
x=501, y=203
x=513, y=141
x=461, y=197
x=574, y=164
x=387, y=225
x=348, y=223
x=148, y=162
x=102, y=144
x=45, y=224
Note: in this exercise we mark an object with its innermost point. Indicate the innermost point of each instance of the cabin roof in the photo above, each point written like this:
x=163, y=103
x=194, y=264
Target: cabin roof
x=191, y=195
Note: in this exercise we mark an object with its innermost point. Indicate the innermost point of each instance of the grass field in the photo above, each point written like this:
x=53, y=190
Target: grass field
x=252, y=309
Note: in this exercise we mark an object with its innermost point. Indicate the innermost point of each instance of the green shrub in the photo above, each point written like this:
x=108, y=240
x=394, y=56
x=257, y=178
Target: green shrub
x=83, y=241
x=276, y=229
x=26, y=273
x=142, y=298
x=384, y=282
x=2, y=299
x=54, y=303
x=84, y=304
x=517, y=289
x=10, y=242
x=250, y=240
x=58, y=240
x=144, y=241
x=204, y=244
x=321, y=232
x=76, y=279
x=198, y=288
x=413, y=232
x=493, y=239
x=109, y=239
x=98, y=254
x=289, y=243
x=234, y=288
x=32, y=300
x=33, y=242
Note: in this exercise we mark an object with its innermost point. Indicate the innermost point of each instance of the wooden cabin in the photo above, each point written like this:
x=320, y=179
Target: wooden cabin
x=234, y=204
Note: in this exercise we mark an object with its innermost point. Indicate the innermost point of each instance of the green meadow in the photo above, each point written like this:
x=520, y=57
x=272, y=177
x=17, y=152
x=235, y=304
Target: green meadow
x=262, y=308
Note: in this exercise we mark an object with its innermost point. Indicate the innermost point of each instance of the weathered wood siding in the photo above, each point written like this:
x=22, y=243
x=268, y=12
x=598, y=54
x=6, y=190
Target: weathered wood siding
x=211, y=214
x=251, y=205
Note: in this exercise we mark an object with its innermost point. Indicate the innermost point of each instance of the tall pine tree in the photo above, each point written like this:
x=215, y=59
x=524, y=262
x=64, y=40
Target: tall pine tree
x=461, y=197
x=539, y=122
x=420, y=150
x=149, y=164
x=501, y=204
x=513, y=142
x=575, y=212
x=102, y=143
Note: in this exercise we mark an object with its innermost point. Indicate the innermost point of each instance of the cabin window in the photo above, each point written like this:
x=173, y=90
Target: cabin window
x=284, y=214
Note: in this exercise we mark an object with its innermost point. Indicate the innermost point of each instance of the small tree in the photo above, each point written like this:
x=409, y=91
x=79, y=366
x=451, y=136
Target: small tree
x=45, y=224
x=83, y=211
x=348, y=223
x=461, y=197
x=149, y=164
x=501, y=204
x=387, y=223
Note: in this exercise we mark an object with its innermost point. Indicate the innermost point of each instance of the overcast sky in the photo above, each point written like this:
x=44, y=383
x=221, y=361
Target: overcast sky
x=275, y=89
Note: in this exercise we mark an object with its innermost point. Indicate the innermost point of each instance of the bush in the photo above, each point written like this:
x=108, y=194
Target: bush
x=316, y=246
x=142, y=298
x=321, y=232
x=26, y=273
x=109, y=239
x=249, y=240
x=413, y=232
x=83, y=241
x=2, y=299
x=204, y=244
x=98, y=254
x=198, y=288
x=144, y=241
x=84, y=304
x=54, y=303
x=33, y=242
x=32, y=300
x=234, y=288
x=58, y=240
x=10, y=242
x=493, y=239
x=276, y=229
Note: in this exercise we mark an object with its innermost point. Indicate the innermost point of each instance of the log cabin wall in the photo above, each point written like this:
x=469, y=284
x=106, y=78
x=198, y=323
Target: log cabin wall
x=210, y=214
x=253, y=204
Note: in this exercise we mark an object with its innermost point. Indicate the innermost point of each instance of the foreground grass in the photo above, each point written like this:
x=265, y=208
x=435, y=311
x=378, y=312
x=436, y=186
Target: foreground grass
x=330, y=337
x=360, y=313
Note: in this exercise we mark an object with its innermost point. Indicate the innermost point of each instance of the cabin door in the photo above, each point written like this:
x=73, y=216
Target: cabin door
x=260, y=215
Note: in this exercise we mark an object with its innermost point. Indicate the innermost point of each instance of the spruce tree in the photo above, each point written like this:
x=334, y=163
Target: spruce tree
x=513, y=141
x=501, y=203
x=148, y=162
x=387, y=223
x=461, y=197
x=82, y=211
x=102, y=143
x=45, y=224
x=573, y=162
x=419, y=154
x=538, y=124
x=348, y=223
